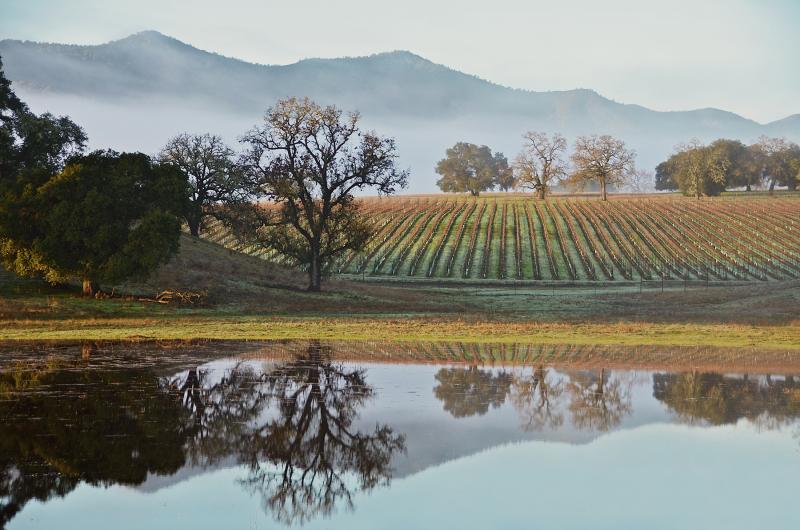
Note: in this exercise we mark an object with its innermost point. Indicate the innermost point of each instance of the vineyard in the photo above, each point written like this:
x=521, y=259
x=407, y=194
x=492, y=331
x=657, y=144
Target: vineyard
x=568, y=240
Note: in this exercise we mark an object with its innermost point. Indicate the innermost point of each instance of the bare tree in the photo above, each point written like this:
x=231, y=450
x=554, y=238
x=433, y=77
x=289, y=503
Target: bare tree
x=210, y=168
x=308, y=161
x=540, y=163
x=642, y=181
x=601, y=159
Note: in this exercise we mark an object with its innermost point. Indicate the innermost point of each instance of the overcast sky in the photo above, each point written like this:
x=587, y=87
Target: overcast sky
x=738, y=55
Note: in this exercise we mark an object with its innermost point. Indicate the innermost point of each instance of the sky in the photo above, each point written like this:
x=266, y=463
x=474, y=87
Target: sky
x=737, y=55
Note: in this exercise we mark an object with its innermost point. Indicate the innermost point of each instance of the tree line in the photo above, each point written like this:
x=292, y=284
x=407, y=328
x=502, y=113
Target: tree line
x=105, y=216
x=600, y=160
x=697, y=169
x=603, y=161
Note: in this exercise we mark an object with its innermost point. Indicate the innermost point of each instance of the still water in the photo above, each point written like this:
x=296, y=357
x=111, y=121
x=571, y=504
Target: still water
x=239, y=436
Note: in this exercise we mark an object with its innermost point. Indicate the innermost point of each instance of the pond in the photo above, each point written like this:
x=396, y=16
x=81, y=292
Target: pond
x=372, y=436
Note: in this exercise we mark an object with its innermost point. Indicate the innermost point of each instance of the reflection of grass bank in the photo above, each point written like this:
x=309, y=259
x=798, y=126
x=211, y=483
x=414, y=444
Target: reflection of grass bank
x=406, y=328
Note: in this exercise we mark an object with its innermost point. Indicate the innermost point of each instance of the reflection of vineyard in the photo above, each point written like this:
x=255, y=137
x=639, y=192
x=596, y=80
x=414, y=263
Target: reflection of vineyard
x=517, y=238
x=566, y=356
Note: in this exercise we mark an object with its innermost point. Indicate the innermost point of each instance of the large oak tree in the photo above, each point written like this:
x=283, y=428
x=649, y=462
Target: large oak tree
x=603, y=160
x=541, y=162
x=304, y=164
x=472, y=168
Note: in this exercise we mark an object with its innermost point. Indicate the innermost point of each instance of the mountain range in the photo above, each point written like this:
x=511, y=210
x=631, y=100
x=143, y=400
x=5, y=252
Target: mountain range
x=136, y=92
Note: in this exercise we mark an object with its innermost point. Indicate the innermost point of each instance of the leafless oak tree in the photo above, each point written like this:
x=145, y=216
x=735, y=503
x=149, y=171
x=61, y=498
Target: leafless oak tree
x=308, y=161
x=601, y=159
x=540, y=163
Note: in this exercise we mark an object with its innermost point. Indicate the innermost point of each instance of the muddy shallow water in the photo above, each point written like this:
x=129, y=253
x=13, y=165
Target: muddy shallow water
x=265, y=435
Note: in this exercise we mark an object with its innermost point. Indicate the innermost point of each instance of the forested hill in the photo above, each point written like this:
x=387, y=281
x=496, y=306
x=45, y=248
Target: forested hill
x=159, y=86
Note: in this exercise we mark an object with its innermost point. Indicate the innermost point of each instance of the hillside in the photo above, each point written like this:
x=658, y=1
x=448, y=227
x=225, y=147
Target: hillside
x=158, y=86
x=568, y=240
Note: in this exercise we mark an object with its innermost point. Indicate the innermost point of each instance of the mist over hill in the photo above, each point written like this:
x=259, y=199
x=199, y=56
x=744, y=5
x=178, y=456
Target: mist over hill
x=136, y=92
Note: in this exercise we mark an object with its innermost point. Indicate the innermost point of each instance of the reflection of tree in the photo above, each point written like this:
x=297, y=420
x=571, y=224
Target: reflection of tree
x=470, y=391
x=599, y=401
x=719, y=399
x=100, y=427
x=292, y=427
x=308, y=456
x=536, y=398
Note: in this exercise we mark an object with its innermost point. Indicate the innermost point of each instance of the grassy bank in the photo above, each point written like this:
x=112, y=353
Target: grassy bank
x=405, y=328
x=249, y=299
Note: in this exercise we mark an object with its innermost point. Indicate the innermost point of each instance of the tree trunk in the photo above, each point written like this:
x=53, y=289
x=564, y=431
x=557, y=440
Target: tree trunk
x=542, y=193
x=603, y=189
x=90, y=287
x=747, y=188
x=315, y=272
x=772, y=185
x=194, y=227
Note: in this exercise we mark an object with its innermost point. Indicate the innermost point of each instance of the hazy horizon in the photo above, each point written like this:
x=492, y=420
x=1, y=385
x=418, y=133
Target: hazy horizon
x=732, y=55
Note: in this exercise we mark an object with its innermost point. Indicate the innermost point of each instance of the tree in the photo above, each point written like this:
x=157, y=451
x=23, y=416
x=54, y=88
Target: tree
x=307, y=161
x=541, y=163
x=665, y=175
x=781, y=161
x=742, y=169
x=601, y=159
x=472, y=168
x=210, y=169
x=700, y=169
x=106, y=217
x=641, y=181
x=506, y=180
x=32, y=149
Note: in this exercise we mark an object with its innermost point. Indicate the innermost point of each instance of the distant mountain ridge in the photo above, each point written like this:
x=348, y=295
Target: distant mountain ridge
x=427, y=106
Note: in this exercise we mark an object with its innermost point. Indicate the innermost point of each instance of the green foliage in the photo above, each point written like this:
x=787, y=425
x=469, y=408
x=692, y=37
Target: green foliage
x=105, y=217
x=701, y=170
x=781, y=161
x=665, y=175
x=698, y=169
x=473, y=168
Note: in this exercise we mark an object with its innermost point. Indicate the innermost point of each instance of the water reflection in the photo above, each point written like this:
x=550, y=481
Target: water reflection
x=309, y=433
x=536, y=397
x=471, y=391
x=291, y=426
x=769, y=401
x=61, y=427
x=598, y=399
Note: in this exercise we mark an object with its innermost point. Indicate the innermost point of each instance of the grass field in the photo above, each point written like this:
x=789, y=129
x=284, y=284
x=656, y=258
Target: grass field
x=249, y=298
x=577, y=239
